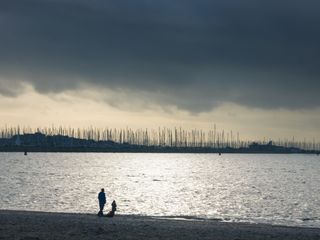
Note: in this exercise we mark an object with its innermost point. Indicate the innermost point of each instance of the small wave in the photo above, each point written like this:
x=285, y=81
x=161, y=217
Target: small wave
x=310, y=219
x=188, y=218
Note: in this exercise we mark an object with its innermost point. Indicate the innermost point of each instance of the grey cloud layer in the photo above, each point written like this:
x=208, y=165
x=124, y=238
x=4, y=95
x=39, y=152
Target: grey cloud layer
x=193, y=54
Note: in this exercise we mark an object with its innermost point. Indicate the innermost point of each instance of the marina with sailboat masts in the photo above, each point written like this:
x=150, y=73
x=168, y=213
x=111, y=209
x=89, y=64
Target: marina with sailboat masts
x=161, y=139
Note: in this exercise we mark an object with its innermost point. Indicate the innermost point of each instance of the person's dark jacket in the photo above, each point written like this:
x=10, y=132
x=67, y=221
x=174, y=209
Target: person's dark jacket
x=102, y=198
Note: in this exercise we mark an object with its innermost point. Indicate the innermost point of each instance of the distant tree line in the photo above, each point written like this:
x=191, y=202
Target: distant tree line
x=166, y=137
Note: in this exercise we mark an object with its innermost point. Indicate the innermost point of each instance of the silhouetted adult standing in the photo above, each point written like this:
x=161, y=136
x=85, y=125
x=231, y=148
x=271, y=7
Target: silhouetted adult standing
x=102, y=201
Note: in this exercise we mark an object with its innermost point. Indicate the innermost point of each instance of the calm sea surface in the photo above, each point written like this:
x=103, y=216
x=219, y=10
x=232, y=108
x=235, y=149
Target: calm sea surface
x=277, y=189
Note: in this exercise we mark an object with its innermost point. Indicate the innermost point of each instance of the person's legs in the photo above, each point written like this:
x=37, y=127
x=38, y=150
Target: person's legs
x=101, y=209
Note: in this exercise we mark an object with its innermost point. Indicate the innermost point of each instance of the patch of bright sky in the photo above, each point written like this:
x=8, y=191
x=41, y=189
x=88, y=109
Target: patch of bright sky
x=87, y=108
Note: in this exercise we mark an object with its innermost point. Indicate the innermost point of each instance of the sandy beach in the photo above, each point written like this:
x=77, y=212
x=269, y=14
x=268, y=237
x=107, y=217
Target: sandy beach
x=24, y=225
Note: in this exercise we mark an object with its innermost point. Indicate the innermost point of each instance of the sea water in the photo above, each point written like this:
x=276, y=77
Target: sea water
x=260, y=188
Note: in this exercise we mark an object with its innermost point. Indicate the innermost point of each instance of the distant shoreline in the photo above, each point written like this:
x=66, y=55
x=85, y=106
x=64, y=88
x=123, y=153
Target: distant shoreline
x=39, y=142
x=140, y=149
x=154, y=149
x=43, y=225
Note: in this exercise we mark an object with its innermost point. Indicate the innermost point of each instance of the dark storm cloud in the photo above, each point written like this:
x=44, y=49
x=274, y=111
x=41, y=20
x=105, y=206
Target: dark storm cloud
x=193, y=54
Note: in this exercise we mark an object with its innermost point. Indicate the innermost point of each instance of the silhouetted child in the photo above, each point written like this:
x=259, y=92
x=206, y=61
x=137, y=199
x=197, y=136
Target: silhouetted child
x=113, y=209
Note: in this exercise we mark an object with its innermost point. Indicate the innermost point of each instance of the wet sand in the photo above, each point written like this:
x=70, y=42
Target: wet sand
x=24, y=225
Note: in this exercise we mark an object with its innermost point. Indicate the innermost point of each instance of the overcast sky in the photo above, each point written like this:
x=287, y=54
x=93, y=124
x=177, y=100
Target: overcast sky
x=189, y=63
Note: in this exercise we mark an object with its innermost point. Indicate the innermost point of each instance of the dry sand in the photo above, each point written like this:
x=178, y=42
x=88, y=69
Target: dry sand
x=23, y=225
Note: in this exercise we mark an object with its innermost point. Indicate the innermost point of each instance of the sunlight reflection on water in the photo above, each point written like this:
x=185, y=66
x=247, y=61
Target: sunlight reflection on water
x=278, y=189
